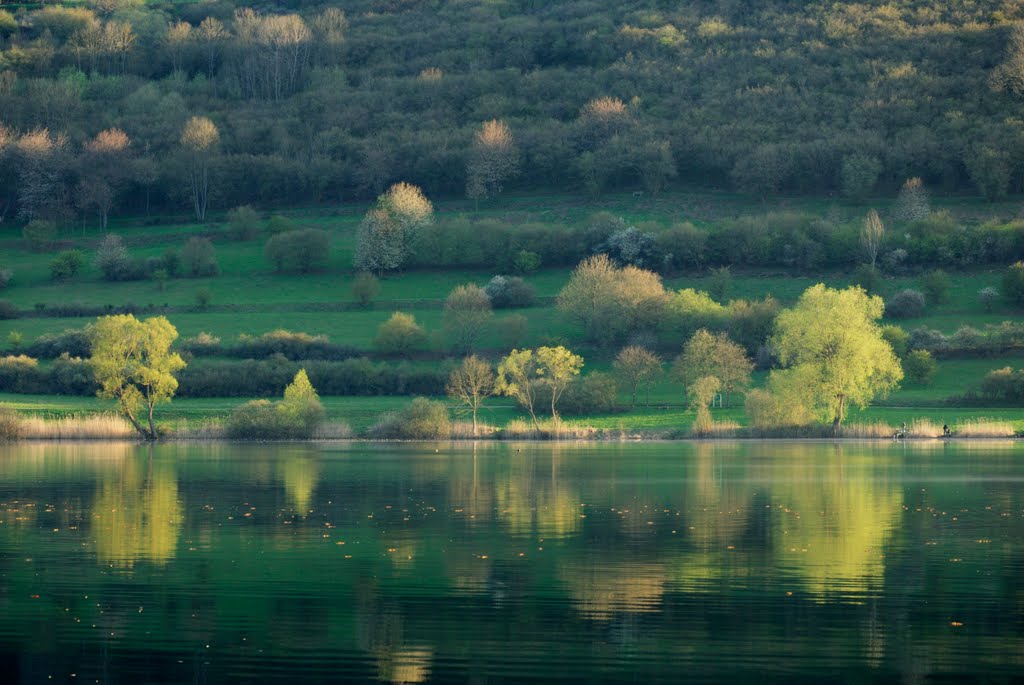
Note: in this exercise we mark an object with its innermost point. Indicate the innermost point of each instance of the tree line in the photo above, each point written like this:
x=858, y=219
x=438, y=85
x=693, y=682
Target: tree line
x=312, y=104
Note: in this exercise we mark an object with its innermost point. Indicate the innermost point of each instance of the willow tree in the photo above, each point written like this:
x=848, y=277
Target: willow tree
x=832, y=339
x=133, y=363
x=199, y=140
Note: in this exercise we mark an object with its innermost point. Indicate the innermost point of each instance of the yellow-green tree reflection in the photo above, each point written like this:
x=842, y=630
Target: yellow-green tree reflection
x=136, y=513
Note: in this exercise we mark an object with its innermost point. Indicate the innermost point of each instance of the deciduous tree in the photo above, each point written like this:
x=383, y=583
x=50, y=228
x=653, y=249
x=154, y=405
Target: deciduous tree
x=133, y=363
x=832, y=340
x=199, y=140
x=470, y=384
x=713, y=354
x=635, y=365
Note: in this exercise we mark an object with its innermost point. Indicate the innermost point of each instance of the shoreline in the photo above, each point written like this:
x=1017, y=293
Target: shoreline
x=608, y=440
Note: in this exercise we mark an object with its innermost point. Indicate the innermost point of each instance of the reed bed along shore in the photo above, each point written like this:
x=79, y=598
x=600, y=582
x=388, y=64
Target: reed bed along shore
x=15, y=426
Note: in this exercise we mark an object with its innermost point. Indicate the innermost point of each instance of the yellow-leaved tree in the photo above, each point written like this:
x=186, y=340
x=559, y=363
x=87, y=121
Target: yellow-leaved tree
x=832, y=339
x=133, y=363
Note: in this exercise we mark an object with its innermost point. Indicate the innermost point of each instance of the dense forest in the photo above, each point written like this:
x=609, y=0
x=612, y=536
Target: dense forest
x=306, y=102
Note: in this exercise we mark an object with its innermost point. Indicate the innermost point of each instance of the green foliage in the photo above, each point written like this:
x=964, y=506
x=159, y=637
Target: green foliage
x=507, y=292
x=919, y=367
x=610, y=302
x=869, y=278
x=5, y=277
x=467, y=313
x=708, y=355
x=203, y=297
x=400, y=335
x=302, y=251
x=8, y=310
x=40, y=234
x=635, y=365
x=898, y=339
x=936, y=284
x=278, y=224
x=243, y=223
x=1013, y=284
x=719, y=283
x=365, y=288
x=859, y=174
x=526, y=262
x=842, y=363
x=66, y=264
x=133, y=363
x=701, y=393
x=199, y=257
x=297, y=416
x=422, y=419
x=906, y=304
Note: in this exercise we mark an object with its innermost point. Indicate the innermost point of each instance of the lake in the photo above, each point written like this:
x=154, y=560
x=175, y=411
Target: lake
x=512, y=563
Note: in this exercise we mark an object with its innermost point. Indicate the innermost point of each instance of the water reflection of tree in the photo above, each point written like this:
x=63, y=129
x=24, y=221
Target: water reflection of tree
x=299, y=472
x=380, y=631
x=136, y=513
x=535, y=500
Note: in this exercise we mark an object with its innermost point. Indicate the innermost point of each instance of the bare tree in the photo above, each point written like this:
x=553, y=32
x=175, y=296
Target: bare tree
x=471, y=384
x=178, y=39
x=199, y=139
x=871, y=234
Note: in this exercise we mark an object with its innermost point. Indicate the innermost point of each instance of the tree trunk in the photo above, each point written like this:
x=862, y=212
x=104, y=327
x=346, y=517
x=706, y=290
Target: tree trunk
x=474, y=421
x=838, y=420
x=131, y=418
x=152, y=426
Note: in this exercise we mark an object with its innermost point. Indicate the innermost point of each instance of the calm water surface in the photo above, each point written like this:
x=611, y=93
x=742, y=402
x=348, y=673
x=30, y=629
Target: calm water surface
x=637, y=563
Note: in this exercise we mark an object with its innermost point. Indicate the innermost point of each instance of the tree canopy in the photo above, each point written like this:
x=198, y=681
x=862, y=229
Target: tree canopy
x=831, y=339
x=133, y=363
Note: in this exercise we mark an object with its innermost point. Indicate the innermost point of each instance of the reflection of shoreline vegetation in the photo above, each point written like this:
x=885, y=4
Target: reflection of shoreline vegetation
x=637, y=539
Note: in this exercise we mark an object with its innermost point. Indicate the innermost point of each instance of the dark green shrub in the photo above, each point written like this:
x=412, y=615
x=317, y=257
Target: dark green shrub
x=365, y=287
x=906, y=304
x=243, y=223
x=594, y=393
x=897, y=338
x=278, y=224
x=919, y=367
x=869, y=278
x=1013, y=284
x=255, y=420
x=299, y=251
x=935, y=284
x=8, y=310
x=39, y=234
x=113, y=260
x=5, y=278
x=199, y=257
x=72, y=341
x=507, y=292
x=66, y=264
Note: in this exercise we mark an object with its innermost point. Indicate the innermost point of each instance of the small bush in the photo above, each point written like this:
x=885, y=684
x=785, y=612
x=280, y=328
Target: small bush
x=594, y=393
x=1013, y=284
x=512, y=330
x=280, y=224
x=5, y=277
x=8, y=310
x=71, y=341
x=171, y=262
x=400, y=335
x=423, y=419
x=199, y=257
x=243, y=223
x=897, y=338
x=203, y=344
x=906, y=304
x=365, y=288
x=919, y=367
x=300, y=251
x=507, y=292
x=39, y=234
x=255, y=420
x=719, y=283
x=298, y=415
x=526, y=262
x=203, y=297
x=66, y=264
x=935, y=285
x=869, y=278
x=924, y=338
